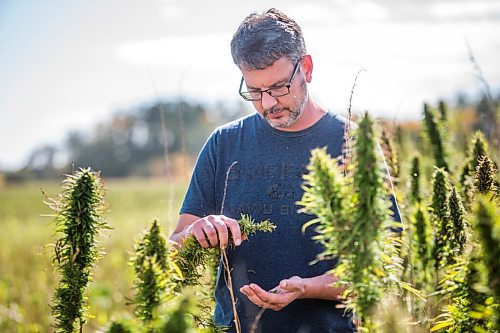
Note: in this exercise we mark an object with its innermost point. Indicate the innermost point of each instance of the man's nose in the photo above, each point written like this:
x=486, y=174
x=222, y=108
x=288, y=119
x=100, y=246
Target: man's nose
x=268, y=101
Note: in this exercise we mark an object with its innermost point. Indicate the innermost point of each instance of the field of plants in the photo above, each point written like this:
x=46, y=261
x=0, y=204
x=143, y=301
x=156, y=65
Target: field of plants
x=440, y=275
x=27, y=278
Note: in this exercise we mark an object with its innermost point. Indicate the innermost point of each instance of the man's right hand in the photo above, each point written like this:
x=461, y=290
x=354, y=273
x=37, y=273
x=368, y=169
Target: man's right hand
x=213, y=230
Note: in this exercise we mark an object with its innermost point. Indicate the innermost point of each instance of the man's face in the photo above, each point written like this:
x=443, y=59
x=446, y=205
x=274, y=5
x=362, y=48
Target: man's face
x=280, y=112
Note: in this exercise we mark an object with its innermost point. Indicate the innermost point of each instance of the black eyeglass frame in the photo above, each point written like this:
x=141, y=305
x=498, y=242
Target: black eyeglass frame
x=269, y=91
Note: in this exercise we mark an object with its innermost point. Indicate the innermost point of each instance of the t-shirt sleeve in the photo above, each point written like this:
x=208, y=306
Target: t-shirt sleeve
x=200, y=196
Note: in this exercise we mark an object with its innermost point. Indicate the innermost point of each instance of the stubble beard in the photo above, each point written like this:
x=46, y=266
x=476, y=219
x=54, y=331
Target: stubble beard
x=289, y=118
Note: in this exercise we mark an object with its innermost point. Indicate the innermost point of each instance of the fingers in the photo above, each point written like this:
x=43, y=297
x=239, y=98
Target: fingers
x=211, y=232
x=248, y=292
x=214, y=230
x=294, y=283
x=260, y=297
x=262, y=294
x=235, y=230
x=267, y=300
x=221, y=228
x=199, y=235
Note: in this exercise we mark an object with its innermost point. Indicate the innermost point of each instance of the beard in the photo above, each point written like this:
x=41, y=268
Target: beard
x=289, y=115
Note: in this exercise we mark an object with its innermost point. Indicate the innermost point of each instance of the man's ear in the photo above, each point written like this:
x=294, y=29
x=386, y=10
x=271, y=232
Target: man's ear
x=307, y=66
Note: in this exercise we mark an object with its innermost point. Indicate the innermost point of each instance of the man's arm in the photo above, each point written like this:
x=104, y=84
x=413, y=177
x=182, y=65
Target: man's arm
x=318, y=287
x=211, y=230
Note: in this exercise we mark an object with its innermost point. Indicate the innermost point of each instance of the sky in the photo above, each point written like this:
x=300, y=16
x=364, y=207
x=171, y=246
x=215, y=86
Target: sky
x=67, y=65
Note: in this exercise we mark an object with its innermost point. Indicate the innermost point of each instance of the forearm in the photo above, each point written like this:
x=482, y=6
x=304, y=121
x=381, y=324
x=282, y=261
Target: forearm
x=322, y=287
x=179, y=235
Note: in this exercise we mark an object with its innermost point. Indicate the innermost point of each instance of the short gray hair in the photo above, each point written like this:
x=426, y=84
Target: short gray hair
x=263, y=38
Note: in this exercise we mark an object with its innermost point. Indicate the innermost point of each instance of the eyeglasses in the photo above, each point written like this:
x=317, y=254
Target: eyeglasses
x=256, y=95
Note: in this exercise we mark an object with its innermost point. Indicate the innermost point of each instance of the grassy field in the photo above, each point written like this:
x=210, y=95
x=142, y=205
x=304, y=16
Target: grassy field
x=27, y=278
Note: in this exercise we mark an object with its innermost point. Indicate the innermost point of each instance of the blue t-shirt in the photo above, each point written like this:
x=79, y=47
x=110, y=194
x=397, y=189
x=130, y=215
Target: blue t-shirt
x=266, y=184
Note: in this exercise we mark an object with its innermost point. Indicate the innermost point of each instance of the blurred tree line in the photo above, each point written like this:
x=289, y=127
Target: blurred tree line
x=158, y=139
x=164, y=138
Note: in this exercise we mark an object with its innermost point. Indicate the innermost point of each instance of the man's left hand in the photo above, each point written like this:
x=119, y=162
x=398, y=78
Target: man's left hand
x=279, y=297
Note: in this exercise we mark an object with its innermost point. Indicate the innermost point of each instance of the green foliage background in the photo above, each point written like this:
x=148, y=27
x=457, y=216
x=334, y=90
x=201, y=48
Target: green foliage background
x=27, y=278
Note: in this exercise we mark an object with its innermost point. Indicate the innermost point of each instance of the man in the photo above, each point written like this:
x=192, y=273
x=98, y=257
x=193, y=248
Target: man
x=270, y=149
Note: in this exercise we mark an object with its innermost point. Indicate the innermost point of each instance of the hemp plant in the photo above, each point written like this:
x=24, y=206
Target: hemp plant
x=415, y=194
x=353, y=222
x=150, y=263
x=179, y=316
x=484, y=179
x=443, y=110
x=460, y=275
x=190, y=261
x=372, y=257
x=417, y=237
x=475, y=286
x=120, y=327
x=458, y=220
x=473, y=283
x=487, y=220
x=435, y=135
x=79, y=219
x=192, y=256
x=443, y=229
x=461, y=298
x=421, y=245
x=327, y=197
x=477, y=151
